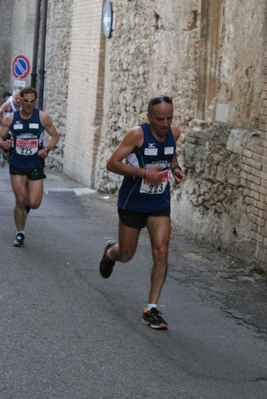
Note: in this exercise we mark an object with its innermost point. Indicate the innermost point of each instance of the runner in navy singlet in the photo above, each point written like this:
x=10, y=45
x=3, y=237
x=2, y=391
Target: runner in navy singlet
x=144, y=197
x=27, y=155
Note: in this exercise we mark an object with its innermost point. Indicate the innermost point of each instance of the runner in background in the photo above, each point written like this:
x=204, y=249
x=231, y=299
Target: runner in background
x=27, y=156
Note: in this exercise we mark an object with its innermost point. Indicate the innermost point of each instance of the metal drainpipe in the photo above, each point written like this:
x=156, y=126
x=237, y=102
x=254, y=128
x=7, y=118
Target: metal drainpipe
x=35, y=43
x=41, y=72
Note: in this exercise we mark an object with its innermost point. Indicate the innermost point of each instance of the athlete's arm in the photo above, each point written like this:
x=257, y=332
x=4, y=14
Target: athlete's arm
x=4, y=108
x=178, y=174
x=131, y=141
x=51, y=130
x=5, y=145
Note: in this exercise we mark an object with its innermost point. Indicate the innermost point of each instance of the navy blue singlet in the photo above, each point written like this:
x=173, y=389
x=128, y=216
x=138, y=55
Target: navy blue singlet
x=137, y=194
x=27, y=140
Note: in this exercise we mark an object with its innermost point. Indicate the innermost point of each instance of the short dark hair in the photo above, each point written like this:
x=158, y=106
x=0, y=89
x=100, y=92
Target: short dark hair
x=158, y=100
x=7, y=94
x=28, y=90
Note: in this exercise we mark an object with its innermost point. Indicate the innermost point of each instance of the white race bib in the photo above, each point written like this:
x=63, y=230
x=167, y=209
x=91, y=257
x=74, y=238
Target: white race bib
x=26, y=147
x=149, y=188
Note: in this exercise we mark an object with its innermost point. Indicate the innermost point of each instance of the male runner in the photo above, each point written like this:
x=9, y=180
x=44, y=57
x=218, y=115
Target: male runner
x=144, y=197
x=26, y=159
x=13, y=103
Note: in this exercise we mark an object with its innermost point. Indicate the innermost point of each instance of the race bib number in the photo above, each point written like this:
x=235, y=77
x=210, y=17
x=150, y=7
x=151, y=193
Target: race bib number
x=148, y=188
x=26, y=147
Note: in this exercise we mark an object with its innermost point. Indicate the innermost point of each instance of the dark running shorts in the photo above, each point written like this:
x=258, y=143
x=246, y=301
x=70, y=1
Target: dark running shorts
x=32, y=174
x=137, y=220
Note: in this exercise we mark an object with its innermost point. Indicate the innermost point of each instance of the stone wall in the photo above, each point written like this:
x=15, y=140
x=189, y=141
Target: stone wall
x=59, y=20
x=152, y=50
x=211, y=205
x=208, y=56
x=223, y=202
x=242, y=41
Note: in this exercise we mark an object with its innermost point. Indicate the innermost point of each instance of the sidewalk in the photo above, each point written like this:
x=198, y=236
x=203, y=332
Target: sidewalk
x=215, y=277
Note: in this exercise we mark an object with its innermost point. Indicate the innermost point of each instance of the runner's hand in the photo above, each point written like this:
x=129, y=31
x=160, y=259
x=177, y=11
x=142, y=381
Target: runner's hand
x=42, y=153
x=5, y=145
x=179, y=176
x=154, y=174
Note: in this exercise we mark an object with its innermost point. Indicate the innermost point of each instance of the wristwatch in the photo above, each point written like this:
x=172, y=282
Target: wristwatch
x=47, y=150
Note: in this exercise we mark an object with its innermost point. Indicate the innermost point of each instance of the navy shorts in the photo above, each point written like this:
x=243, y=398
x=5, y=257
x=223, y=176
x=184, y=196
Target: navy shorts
x=137, y=220
x=32, y=174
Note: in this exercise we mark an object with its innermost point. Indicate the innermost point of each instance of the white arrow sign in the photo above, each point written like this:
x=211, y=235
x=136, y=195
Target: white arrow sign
x=106, y=20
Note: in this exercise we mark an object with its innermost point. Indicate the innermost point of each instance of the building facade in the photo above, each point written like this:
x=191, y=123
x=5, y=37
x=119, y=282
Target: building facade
x=210, y=56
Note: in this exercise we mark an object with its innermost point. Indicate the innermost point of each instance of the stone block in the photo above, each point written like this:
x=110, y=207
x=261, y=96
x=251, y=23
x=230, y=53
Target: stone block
x=238, y=140
x=222, y=113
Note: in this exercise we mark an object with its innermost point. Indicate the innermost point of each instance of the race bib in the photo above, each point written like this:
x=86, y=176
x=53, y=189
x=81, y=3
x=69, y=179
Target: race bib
x=26, y=147
x=149, y=188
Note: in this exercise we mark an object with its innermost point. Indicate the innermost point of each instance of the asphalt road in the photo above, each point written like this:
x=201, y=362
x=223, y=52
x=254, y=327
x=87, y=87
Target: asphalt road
x=66, y=333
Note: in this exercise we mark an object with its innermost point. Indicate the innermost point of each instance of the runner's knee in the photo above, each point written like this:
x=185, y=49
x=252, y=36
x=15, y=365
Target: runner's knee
x=160, y=252
x=34, y=205
x=126, y=255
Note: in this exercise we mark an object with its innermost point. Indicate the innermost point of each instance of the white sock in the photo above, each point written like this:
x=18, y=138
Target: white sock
x=20, y=231
x=151, y=305
x=110, y=257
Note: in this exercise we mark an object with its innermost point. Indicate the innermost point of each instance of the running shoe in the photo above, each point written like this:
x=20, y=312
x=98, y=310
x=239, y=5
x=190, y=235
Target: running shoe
x=153, y=319
x=106, y=265
x=19, y=240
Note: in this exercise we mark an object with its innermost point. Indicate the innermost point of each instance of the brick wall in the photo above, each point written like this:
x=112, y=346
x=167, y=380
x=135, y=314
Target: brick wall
x=254, y=178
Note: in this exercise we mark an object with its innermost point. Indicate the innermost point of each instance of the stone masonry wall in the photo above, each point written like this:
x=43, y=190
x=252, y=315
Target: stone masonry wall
x=212, y=203
x=59, y=20
x=163, y=55
x=152, y=51
x=222, y=201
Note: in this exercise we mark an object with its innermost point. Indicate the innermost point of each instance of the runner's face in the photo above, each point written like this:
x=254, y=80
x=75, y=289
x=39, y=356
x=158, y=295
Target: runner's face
x=28, y=107
x=160, y=119
x=17, y=101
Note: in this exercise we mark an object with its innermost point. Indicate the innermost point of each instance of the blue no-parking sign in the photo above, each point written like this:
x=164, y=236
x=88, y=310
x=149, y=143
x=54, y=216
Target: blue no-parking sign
x=20, y=67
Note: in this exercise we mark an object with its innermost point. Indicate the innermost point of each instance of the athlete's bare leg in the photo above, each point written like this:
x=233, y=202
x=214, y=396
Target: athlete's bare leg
x=159, y=228
x=27, y=192
x=35, y=193
x=128, y=240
